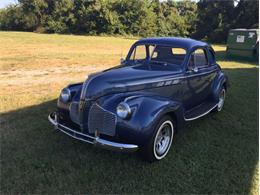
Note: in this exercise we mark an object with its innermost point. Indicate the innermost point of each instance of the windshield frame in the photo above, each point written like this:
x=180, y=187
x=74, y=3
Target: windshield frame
x=148, y=57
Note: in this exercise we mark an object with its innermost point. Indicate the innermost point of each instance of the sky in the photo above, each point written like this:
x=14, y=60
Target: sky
x=4, y=3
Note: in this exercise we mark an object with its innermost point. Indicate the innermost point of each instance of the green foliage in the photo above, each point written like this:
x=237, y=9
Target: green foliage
x=216, y=18
x=12, y=19
x=61, y=18
x=136, y=17
x=206, y=19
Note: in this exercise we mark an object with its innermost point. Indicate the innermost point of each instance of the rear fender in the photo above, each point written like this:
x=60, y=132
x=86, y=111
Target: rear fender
x=220, y=81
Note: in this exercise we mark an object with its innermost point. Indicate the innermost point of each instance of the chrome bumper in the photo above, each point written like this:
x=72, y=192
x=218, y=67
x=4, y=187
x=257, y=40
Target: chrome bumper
x=90, y=139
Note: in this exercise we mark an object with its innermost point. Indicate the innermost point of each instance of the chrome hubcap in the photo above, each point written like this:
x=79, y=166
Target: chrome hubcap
x=163, y=139
x=221, y=100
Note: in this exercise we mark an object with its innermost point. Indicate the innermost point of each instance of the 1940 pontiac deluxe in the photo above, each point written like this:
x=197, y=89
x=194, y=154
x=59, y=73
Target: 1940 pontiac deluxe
x=141, y=103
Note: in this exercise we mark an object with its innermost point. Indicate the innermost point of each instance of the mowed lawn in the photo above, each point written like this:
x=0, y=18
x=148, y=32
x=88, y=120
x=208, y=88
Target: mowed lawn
x=215, y=154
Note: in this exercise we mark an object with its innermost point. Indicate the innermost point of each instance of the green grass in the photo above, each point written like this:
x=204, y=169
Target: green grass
x=215, y=154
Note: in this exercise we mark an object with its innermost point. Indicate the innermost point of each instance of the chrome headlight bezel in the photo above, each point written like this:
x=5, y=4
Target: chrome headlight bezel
x=65, y=95
x=123, y=110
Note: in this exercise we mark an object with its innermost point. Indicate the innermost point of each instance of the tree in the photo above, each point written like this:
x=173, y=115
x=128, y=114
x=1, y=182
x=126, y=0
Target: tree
x=214, y=19
x=137, y=17
x=246, y=14
x=188, y=10
x=61, y=18
x=206, y=19
x=35, y=11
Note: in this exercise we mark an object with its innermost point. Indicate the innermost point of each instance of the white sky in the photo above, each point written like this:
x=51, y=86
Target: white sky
x=4, y=3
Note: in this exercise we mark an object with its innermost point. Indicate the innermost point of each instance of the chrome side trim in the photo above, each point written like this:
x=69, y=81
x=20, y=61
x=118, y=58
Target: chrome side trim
x=190, y=119
x=164, y=80
x=132, y=97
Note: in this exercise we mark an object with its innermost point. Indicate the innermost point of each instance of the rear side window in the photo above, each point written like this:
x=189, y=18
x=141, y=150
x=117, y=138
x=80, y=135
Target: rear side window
x=200, y=58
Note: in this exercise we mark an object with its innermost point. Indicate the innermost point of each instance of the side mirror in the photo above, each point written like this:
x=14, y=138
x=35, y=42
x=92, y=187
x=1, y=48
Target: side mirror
x=122, y=61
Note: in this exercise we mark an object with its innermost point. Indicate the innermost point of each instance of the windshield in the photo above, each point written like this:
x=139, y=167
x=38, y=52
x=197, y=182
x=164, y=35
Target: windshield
x=160, y=54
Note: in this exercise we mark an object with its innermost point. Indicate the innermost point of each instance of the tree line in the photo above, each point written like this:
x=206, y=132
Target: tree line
x=205, y=19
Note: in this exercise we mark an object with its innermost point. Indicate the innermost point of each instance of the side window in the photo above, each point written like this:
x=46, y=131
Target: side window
x=200, y=58
x=139, y=53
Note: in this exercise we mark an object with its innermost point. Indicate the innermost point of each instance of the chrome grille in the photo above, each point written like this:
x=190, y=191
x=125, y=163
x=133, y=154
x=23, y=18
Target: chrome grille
x=101, y=120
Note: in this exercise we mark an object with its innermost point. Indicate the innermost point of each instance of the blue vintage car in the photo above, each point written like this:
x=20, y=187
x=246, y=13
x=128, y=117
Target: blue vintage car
x=140, y=104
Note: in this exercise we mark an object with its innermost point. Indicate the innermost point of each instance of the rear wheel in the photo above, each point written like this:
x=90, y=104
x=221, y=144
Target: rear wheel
x=161, y=141
x=221, y=100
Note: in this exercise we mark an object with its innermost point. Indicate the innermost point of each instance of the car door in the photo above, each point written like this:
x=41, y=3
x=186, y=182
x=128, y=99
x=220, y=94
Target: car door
x=199, y=78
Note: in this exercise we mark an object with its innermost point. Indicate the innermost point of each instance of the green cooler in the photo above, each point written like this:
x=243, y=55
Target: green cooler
x=243, y=43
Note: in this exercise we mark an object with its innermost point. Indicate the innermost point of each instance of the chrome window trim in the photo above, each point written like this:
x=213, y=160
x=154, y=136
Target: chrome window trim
x=128, y=57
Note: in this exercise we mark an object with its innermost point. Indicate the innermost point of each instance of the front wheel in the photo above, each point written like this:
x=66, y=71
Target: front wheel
x=161, y=141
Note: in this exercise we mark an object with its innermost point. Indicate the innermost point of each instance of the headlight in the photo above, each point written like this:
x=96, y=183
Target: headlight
x=123, y=110
x=65, y=95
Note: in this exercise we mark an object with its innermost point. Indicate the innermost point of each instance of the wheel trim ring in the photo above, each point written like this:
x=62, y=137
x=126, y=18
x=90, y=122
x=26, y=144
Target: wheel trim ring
x=158, y=157
x=221, y=99
x=163, y=140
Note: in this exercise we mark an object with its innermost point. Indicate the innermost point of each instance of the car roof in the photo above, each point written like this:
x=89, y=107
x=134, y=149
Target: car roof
x=186, y=43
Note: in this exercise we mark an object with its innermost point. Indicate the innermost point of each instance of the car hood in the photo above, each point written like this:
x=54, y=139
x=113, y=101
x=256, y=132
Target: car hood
x=127, y=78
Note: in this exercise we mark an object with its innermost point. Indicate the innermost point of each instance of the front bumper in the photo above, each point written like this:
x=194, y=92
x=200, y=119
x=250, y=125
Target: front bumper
x=90, y=139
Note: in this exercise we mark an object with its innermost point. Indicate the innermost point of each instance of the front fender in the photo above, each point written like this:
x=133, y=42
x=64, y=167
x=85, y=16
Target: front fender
x=146, y=111
x=75, y=90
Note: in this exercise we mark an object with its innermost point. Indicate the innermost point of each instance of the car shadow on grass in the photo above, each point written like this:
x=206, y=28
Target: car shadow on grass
x=215, y=154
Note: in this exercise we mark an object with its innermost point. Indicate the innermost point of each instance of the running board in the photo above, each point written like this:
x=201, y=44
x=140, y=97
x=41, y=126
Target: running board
x=199, y=111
